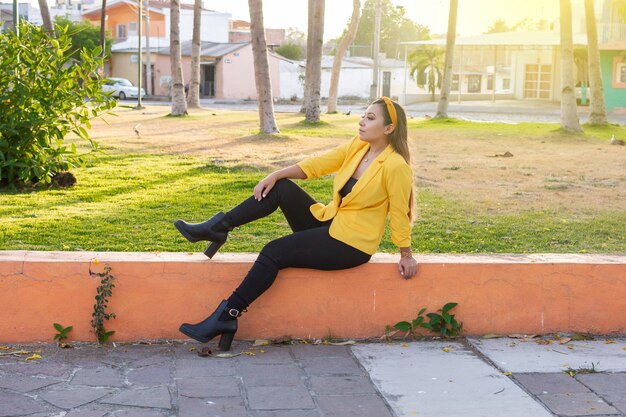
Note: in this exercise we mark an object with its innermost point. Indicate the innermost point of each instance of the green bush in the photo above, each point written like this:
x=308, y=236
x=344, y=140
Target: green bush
x=290, y=51
x=44, y=95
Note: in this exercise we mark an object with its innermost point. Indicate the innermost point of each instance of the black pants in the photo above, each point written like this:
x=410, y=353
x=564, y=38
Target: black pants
x=309, y=246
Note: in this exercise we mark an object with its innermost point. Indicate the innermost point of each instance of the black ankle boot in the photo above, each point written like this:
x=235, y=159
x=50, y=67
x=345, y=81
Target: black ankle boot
x=215, y=230
x=223, y=322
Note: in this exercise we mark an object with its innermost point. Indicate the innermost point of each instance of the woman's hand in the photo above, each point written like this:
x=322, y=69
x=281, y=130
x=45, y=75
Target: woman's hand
x=407, y=267
x=264, y=187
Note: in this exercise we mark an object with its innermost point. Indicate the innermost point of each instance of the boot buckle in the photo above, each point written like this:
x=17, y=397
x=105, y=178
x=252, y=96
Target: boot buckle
x=234, y=312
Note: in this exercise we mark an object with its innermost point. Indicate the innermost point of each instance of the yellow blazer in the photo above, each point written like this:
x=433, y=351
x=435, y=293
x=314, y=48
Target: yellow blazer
x=383, y=190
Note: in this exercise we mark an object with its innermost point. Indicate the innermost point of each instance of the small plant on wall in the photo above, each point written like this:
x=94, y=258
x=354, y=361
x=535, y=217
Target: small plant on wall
x=441, y=322
x=99, y=315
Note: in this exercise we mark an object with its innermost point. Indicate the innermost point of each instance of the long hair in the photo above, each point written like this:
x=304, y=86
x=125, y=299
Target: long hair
x=399, y=139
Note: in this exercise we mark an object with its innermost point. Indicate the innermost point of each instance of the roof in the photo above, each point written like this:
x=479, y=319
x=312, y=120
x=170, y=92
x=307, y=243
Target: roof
x=213, y=49
x=527, y=38
x=96, y=8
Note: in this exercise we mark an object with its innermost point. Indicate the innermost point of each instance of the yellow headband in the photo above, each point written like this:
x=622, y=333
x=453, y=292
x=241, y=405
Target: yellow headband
x=392, y=110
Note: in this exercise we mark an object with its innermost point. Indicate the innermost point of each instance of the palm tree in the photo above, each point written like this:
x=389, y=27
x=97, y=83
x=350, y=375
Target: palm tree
x=103, y=14
x=569, y=114
x=193, y=97
x=179, y=105
x=597, y=115
x=444, y=97
x=313, y=71
x=45, y=16
x=347, y=39
x=428, y=59
x=262, y=68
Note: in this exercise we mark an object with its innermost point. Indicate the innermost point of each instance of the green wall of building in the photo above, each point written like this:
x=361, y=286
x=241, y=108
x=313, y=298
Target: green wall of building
x=614, y=97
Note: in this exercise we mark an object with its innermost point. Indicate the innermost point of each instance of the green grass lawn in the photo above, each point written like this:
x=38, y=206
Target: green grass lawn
x=127, y=202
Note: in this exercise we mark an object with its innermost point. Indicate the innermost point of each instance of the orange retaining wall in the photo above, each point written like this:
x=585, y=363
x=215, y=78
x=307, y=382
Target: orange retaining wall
x=155, y=292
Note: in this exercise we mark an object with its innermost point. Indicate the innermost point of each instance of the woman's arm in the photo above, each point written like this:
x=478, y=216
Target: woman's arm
x=407, y=265
x=266, y=184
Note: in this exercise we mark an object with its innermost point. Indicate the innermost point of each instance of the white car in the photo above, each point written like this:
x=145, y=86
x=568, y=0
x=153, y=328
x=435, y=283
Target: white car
x=121, y=88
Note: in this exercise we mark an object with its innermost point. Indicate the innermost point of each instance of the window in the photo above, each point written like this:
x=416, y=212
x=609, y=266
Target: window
x=490, y=82
x=132, y=28
x=506, y=83
x=455, y=83
x=473, y=83
x=538, y=81
x=622, y=73
x=121, y=31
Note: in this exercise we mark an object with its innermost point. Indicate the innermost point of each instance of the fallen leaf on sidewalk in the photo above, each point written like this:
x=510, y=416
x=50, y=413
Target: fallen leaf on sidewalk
x=227, y=355
x=564, y=340
x=33, y=356
x=404, y=345
x=15, y=352
x=261, y=342
x=522, y=336
x=447, y=348
x=249, y=353
x=507, y=373
x=492, y=336
x=610, y=342
x=544, y=341
x=581, y=336
x=4, y=348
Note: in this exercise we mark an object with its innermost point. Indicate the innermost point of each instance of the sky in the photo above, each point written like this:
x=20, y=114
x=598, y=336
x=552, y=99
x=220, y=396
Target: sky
x=474, y=16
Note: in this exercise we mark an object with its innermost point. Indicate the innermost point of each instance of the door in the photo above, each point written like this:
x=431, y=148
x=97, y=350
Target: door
x=207, y=80
x=387, y=83
x=538, y=81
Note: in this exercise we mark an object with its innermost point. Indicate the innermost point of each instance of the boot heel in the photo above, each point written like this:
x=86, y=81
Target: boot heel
x=212, y=249
x=225, y=341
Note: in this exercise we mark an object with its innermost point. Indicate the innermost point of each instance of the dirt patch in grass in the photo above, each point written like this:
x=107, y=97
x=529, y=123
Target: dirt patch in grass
x=496, y=168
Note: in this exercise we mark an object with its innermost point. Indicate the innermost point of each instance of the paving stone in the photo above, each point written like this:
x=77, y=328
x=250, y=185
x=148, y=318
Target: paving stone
x=151, y=360
x=621, y=406
x=32, y=368
x=342, y=385
x=22, y=383
x=582, y=404
x=68, y=397
x=204, y=387
x=150, y=375
x=611, y=387
x=18, y=405
x=286, y=413
x=552, y=383
x=353, y=406
x=270, y=375
x=331, y=365
x=87, y=413
x=98, y=377
x=279, y=398
x=212, y=407
x=139, y=413
x=313, y=351
x=157, y=397
x=194, y=367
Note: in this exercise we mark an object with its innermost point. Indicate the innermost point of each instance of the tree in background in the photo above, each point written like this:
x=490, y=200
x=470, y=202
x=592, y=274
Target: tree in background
x=444, y=97
x=262, y=68
x=346, y=40
x=45, y=16
x=597, y=115
x=569, y=113
x=193, y=96
x=500, y=26
x=290, y=51
x=426, y=67
x=179, y=104
x=82, y=35
x=313, y=70
x=103, y=15
x=395, y=27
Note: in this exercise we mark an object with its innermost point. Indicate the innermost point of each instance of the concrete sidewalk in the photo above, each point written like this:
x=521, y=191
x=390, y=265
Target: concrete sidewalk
x=468, y=377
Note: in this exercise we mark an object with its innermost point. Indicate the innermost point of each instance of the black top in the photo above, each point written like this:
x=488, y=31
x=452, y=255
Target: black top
x=348, y=187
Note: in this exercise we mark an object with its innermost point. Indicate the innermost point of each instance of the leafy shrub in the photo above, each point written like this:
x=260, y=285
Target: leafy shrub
x=44, y=95
x=290, y=51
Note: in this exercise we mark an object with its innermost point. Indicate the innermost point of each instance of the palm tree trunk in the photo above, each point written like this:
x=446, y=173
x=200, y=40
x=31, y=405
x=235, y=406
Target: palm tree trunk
x=341, y=50
x=444, y=97
x=193, y=96
x=314, y=63
x=597, y=115
x=569, y=114
x=262, y=68
x=103, y=14
x=45, y=16
x=179, y=105
x=309, y=49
